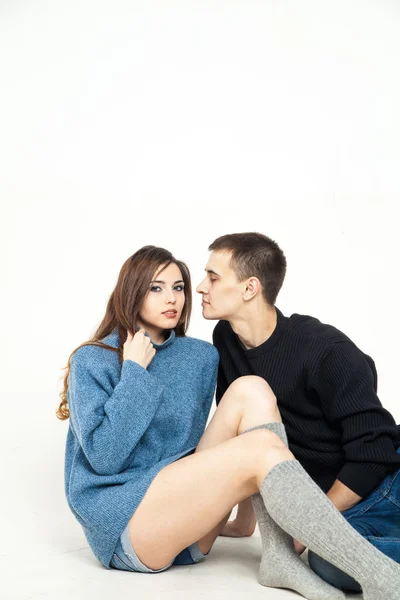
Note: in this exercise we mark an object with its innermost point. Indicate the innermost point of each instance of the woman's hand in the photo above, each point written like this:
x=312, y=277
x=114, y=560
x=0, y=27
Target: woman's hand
x=245, y=522
x=233, y=529
x=139, y=348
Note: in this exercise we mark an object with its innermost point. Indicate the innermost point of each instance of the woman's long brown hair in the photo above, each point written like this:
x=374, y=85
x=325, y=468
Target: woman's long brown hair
x=125, y=303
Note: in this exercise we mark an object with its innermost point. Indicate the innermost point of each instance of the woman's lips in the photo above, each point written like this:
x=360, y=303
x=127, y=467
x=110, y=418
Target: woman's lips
x=170, y=314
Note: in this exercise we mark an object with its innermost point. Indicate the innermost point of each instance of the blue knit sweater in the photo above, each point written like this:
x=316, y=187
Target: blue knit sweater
x=126, y=424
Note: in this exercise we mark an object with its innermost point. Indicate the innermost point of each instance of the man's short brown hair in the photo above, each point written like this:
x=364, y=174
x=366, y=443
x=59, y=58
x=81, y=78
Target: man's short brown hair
x=255, y=255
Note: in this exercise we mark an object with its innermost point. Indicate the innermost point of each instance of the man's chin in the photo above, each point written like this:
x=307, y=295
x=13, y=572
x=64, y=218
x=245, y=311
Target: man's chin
x=210, y=316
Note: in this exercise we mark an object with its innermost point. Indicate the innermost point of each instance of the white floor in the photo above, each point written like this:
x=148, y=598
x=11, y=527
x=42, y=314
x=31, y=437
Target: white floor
x=44, y=554
x=70, y=572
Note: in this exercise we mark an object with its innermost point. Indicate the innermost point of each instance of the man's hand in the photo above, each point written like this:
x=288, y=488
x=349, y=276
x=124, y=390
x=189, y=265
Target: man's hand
x=342, y=496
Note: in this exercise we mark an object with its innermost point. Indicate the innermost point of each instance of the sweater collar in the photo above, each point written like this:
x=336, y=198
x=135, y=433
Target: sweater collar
x=280, y=328
x=112, y=339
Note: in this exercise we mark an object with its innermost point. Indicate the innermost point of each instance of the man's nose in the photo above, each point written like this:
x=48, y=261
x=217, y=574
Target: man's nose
x=201, y=287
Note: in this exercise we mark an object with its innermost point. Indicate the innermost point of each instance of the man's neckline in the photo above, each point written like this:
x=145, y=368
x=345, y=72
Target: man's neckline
x=280, y=328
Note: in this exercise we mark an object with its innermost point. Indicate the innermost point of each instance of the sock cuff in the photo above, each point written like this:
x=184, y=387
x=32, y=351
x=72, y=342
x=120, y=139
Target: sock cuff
x=288, y=470
x=275, y=427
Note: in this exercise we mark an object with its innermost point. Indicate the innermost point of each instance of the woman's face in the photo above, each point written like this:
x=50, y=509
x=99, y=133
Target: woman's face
x=163, y=305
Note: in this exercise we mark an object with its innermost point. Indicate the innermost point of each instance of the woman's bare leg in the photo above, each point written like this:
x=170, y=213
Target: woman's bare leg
x=222, y=427
x=190, y=498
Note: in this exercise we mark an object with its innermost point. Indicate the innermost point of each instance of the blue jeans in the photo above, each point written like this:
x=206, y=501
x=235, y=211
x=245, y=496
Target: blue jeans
x=377, y=519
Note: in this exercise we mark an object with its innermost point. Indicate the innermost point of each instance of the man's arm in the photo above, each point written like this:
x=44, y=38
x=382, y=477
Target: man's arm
x=346, y=384
x=342, y=496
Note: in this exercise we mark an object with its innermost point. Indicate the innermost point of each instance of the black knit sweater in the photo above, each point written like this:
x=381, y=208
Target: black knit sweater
x=327, y=395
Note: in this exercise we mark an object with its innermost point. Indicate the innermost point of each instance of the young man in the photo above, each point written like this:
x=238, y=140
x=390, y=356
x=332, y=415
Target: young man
x=326, y=390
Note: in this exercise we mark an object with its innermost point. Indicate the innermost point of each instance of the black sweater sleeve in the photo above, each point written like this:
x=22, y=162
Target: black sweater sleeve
x=347, y=387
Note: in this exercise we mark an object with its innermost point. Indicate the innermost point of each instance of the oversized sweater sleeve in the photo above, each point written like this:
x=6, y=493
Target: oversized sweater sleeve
x=210, y=380
x=346, y=386
x=109, y=423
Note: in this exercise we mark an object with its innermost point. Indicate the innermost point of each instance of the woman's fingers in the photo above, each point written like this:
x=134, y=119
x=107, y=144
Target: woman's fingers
x=139, y=348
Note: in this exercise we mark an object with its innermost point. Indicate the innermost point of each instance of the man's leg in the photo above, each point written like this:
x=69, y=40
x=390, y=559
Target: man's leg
x=377, y=519
x=332, y=574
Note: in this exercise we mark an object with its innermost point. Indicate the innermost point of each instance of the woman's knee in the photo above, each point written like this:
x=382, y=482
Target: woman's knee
x=264, y=450
x=253, y=388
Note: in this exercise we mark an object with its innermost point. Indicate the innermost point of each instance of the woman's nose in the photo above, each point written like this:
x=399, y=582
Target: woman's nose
x=171, y=299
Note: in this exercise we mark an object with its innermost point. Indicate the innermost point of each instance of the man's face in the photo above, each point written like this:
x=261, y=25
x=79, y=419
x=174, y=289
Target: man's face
x=221, y=291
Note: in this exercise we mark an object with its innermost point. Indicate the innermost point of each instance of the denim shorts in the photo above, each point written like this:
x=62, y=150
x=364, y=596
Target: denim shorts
x=126, y=559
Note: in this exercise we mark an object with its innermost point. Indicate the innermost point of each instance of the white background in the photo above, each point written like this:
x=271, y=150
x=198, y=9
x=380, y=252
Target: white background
x=128, y=123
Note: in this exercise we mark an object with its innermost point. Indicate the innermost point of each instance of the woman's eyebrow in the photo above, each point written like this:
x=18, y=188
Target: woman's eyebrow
x=159, y=281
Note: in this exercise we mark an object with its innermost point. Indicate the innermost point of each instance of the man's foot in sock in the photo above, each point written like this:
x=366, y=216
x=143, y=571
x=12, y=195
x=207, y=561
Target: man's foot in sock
x=309, y=516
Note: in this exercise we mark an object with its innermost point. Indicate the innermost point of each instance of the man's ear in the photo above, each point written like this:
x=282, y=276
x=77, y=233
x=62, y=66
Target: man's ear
x=252, y=286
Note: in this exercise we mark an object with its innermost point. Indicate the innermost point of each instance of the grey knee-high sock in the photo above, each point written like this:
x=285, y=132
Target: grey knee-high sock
x=305, y=512
x=281, y=566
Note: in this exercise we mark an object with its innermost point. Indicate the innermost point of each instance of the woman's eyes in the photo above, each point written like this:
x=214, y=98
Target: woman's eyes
x=156, y=288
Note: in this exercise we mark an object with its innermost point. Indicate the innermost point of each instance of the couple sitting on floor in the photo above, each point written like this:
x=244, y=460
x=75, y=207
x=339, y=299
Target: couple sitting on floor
x=299, y=439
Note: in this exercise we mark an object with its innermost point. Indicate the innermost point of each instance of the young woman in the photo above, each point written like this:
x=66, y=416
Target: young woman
x=150, y=486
